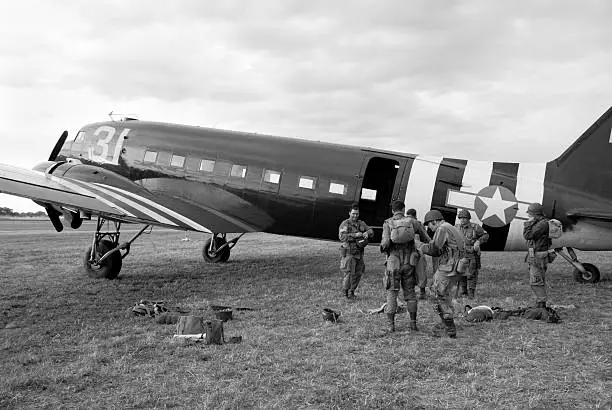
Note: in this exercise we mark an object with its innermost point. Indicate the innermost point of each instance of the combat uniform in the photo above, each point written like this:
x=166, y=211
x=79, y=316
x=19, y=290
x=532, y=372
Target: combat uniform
x=421, y=267
x=447, y=244
x=471, y=232
x=351, y=253
x=399, y=272
x=535, y=231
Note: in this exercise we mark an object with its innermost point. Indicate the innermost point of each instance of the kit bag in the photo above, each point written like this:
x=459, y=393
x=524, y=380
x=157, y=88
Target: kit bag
x=555, y=229
x=402, y=230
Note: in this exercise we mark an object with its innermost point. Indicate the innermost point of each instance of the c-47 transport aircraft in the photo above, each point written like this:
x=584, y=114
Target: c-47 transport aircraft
x=219, y=182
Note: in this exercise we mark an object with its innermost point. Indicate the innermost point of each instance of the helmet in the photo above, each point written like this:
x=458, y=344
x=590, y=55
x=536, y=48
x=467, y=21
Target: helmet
x=464, y=213
x=534, y=209
x=432, y=215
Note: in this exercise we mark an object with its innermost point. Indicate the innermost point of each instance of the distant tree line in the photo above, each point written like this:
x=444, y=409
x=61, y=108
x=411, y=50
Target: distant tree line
x=4, y=211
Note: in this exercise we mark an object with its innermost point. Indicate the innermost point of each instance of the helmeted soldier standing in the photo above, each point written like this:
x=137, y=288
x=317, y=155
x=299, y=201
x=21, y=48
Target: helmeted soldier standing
x=354, y=235
x=398, y=243
x=535, y=231
x=448, y=244
x=474, y=236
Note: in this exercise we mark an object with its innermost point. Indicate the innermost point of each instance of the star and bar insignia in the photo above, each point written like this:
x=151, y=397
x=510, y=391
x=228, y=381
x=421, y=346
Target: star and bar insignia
x=495, y=205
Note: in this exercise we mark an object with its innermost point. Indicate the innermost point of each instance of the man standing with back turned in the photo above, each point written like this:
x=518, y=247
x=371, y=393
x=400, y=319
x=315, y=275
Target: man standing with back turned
x=354, y=235
x=398, y=243
x=448, y=244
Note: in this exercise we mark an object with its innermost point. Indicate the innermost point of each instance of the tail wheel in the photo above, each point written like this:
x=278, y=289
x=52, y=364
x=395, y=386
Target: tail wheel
x=214, y=256
x=110, y=268
x=591, y=274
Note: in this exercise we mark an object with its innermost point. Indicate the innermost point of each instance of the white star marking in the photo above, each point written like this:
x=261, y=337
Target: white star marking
x=496, y=206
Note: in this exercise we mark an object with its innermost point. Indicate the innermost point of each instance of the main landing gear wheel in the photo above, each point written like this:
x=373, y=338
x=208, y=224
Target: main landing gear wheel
x=217, y=248
x=212, y=255
x=591, y=274
x=102, y=263
x=109, y=268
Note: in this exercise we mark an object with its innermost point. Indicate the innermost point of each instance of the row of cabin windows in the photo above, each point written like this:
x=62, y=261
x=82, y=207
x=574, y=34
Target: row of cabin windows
x=240, y=171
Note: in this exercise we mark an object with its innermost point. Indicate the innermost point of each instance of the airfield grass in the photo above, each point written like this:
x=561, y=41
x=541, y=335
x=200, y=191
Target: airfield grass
x=69, y=341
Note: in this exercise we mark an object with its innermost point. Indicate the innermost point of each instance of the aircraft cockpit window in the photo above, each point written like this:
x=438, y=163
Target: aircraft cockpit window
x=272, y=177
x=337, y=188
x=238, y=171
x=207, y=165
x=177, y=161
x=80, y=137
x=150, y=156
x=307, y=182
x=368, y=194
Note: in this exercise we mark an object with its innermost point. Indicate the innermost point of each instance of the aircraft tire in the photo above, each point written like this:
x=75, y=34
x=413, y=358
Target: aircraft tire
x=110, y=268
x=591, y=275
x=223, y=256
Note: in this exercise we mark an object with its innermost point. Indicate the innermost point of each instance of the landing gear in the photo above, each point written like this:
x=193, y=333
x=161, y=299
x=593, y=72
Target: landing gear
x=217, y=248
x=104, y=259
x=590, y=275
x=583, y=272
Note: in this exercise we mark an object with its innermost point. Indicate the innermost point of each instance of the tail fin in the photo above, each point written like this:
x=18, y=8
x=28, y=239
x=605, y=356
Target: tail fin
x=586, y=166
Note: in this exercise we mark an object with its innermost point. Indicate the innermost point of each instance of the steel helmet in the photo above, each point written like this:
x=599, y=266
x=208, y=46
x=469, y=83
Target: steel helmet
x=535, y=209
x=464, y=213
x=432, y=215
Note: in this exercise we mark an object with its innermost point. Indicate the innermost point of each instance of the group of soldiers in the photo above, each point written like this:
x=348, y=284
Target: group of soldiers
x=455, y=252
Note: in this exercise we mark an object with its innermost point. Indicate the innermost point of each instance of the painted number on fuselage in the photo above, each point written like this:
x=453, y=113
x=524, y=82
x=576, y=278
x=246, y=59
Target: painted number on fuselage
x=105, y=142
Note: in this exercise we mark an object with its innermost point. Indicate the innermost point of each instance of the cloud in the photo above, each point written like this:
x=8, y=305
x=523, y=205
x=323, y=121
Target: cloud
x=508, y=81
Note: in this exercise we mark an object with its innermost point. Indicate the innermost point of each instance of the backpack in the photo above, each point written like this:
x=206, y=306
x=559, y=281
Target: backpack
x=402, y=230
x=555, y=229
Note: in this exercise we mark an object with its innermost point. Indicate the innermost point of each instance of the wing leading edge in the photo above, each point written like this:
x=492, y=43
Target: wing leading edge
x=93, y=198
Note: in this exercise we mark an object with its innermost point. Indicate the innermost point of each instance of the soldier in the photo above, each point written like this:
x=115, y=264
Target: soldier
x=474, y=236
x=354, y=235
x=421, y=267
x=535, y=231
x=447, y=243
x=397, y=242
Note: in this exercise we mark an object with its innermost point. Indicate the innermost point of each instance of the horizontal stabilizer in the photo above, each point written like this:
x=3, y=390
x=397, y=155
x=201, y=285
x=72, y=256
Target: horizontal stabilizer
x=591, y=213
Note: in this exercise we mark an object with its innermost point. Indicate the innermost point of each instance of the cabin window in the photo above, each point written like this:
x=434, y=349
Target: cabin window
x=150, y=156
x=272, y=177
x=207, y=165
x=307, y=182
x=368, y=194
x=80, y=137
x=177, y=161
x=192, y=164
x=238, y=171
x=336, y=187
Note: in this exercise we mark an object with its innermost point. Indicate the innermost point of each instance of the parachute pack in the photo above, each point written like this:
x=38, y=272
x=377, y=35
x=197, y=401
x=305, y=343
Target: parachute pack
x=402, y=230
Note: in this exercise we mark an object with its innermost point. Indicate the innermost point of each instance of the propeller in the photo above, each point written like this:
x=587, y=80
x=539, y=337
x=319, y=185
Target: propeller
x=58, y=146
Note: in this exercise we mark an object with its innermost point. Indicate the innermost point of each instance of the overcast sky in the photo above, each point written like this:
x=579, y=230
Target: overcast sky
x=498, y=80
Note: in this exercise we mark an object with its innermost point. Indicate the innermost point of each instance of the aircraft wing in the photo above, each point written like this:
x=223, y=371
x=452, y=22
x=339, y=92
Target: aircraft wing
x=93, y=198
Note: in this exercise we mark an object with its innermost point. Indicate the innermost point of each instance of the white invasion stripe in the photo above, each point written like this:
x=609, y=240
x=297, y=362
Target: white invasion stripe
x=162, y=208
x=477, y=175
x=153, y=215
x=81, y=190
x=529, y=189
x=421, y=183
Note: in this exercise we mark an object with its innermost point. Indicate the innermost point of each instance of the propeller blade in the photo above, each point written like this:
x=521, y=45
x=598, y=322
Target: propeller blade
x=58, y=146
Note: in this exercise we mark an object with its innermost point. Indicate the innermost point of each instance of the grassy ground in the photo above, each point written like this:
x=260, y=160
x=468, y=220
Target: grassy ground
x=68, y=341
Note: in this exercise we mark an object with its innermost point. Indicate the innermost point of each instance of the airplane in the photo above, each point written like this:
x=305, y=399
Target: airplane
x=218, y=182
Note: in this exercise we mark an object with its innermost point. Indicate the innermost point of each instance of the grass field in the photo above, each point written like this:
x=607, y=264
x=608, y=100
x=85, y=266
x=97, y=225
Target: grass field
x=68, y=341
